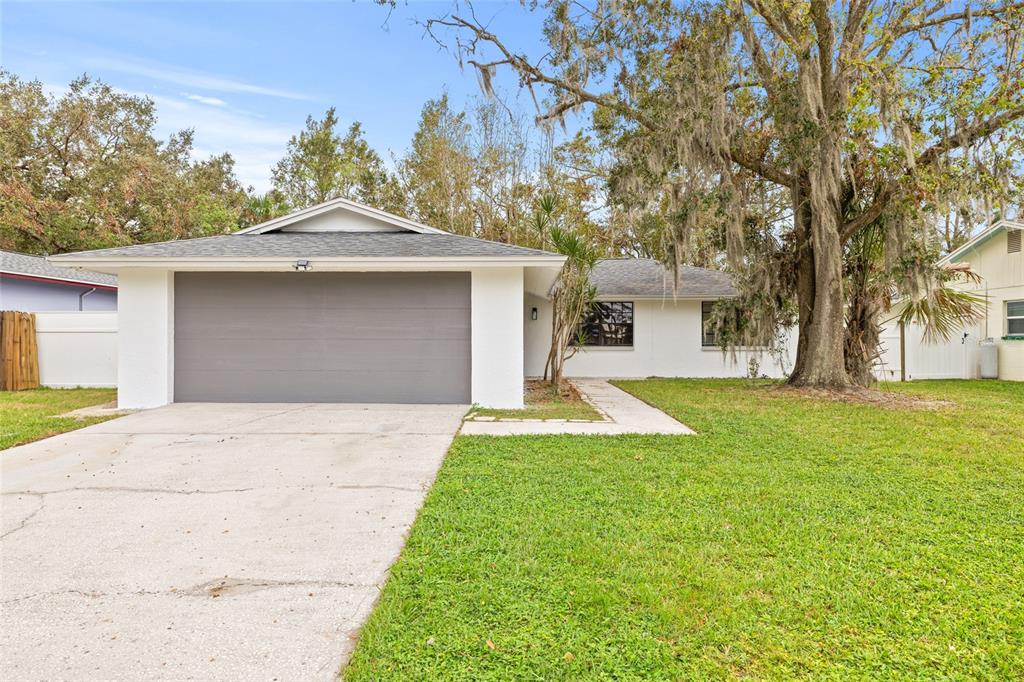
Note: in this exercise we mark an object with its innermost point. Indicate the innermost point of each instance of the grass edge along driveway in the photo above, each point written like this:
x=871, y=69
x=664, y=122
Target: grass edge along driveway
x=34, y=414
x=789, y=538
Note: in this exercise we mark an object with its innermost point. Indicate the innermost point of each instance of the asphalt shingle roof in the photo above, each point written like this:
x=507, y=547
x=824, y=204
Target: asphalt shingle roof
x=35, y=266
x=644, y=277
x=320, y=245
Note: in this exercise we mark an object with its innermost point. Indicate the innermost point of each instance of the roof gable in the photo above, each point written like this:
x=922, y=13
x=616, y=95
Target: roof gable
x=981, y=238
x=341, y=215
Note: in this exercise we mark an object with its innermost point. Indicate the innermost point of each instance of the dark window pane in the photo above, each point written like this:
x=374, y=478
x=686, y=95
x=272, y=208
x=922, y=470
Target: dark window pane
x=608, y=324
x=1015, y=308
x=1015, y=326
x=708, y=336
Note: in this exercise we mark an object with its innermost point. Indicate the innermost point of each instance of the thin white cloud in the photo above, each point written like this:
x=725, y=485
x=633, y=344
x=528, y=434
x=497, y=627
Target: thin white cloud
x=194, y=80
x=255, y=144
x=210, y=101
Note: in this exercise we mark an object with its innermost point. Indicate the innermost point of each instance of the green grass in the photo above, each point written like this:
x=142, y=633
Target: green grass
x=542, y=403
x=789, y=539
x=26, y=416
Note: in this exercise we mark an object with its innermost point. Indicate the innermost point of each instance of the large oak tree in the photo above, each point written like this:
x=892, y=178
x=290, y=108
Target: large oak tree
x=879, y=115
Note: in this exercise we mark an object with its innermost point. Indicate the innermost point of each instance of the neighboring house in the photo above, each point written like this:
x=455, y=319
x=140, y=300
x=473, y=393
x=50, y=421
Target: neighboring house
x=30, y=284
x=642, y=326
x=997, y=256
x=345, y=303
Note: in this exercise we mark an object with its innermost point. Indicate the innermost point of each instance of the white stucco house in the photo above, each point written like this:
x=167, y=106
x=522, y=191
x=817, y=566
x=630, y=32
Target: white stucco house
x=341, y=302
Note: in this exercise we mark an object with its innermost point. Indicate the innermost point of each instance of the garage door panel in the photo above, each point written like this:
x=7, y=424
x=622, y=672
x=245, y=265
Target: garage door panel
x=300, y=387
x=253, y=355
x=322, y=337
x=367, y=325
x=307, y=291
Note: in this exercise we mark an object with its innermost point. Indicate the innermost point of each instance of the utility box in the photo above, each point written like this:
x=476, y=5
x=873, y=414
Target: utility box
x=989, y=359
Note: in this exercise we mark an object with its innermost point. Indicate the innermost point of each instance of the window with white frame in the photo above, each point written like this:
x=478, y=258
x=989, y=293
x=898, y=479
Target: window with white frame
x=1015, y=318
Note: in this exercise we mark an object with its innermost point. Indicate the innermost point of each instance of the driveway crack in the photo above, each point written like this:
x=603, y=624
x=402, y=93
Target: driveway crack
x=220, y=587
x=172, y=491
x=24, y=521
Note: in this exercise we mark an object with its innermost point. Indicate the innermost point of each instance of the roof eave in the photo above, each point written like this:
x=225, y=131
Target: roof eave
x=103, y=264
x=57, y=280
x=662, y=297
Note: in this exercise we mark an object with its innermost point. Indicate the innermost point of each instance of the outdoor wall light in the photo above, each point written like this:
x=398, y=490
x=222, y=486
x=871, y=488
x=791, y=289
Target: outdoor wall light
x=302, y=265
x=533, y=313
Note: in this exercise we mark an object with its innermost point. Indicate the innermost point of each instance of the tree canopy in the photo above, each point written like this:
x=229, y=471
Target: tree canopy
x=84, y=170
x=320, y=164
x=782, y=131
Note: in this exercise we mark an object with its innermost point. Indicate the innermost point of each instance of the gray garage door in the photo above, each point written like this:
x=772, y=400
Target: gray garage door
x=322, y=337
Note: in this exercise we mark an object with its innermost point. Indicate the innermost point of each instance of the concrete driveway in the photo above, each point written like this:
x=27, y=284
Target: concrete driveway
x=208, y=541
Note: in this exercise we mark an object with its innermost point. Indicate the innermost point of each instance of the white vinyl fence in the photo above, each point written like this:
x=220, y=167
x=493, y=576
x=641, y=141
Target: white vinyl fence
x=77, y=349
x=956, y=358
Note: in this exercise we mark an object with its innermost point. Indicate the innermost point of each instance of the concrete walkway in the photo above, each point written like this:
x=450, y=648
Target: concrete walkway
x=208, y=541
x=627, y=415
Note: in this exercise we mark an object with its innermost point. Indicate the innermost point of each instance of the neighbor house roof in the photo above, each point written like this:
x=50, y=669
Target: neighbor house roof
x=982, y=237
x=648, y=278
x=23, y=266
x=317, y=245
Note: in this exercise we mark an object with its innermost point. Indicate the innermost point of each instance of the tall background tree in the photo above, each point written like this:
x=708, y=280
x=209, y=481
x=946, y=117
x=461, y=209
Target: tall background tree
x=320, y=164
x=437, y=172
x=481, y=172
x=782, y=131
x=84, y=170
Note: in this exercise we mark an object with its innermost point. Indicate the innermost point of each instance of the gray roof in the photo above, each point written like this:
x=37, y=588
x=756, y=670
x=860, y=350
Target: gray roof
x=319, y=245
x=36, y=266
x=644, y=277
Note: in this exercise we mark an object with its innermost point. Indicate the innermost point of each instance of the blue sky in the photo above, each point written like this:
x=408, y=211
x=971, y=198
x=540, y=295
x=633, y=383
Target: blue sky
x=246, y=75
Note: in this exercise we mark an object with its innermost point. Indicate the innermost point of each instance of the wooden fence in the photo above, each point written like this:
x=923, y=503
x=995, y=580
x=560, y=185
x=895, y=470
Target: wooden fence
x=19, y=356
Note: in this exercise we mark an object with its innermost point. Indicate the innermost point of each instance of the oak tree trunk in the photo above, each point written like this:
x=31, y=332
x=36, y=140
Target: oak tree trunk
x=819, y=285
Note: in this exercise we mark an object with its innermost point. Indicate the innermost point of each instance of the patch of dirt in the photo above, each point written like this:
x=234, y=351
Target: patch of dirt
x=863, y=396
x=538, y=391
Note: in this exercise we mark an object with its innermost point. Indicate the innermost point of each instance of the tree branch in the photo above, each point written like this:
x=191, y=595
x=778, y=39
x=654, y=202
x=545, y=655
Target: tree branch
x=531, y=74
x=756, y=164
x=927, y=158
x=959, y=16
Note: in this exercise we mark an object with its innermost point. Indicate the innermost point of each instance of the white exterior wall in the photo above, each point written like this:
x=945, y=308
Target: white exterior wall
x=1002, y=281
x=497, y=327
x=666, y=343
x=145, y=363
x=77, y=349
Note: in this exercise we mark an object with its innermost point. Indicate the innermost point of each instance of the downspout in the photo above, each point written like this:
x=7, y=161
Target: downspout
x=81, y=298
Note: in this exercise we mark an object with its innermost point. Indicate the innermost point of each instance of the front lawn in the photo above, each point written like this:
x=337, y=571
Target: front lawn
x=26, y=416
x=541, y=402
x=789, y=538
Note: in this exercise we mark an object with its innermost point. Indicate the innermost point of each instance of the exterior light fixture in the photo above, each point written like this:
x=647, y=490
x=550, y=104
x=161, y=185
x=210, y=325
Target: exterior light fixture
x=533, y=313
x=302, y=266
